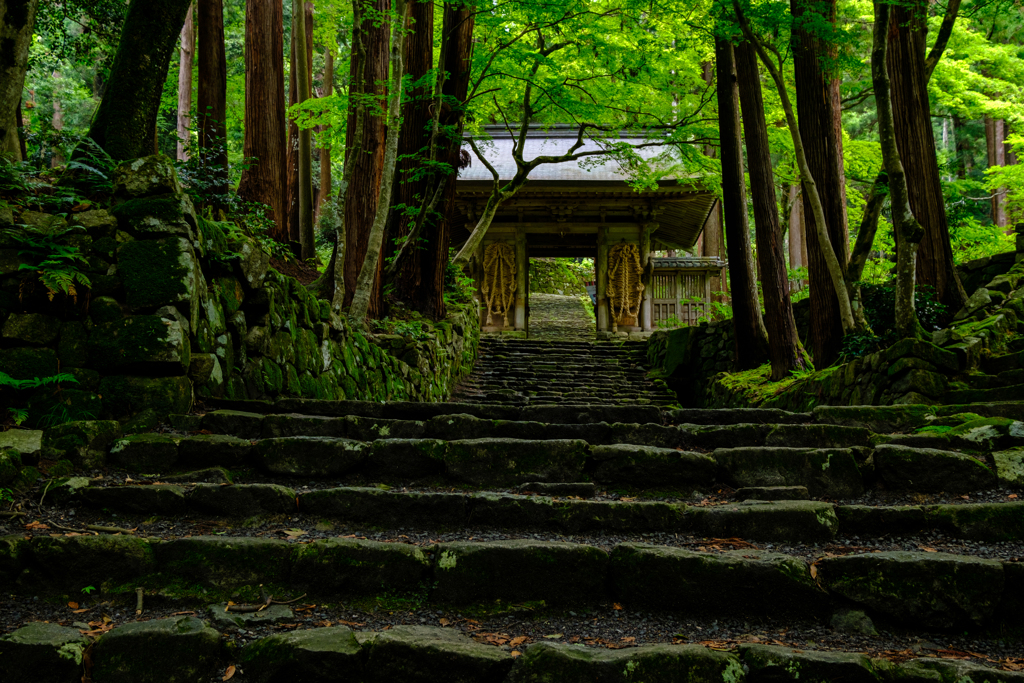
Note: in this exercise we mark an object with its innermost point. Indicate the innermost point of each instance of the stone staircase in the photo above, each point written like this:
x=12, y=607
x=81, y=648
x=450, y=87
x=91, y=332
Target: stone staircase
x=522, y=372
x=1000, y=377
x=513, y=542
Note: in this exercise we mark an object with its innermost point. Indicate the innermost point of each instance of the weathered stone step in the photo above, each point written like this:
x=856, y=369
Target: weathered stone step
x=1006, y=393
x=185, y=648
x=937, y=590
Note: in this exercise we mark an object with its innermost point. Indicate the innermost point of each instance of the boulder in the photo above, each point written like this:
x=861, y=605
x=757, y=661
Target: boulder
x=918, y=588
x=1009, y=466
x=28, y=442
x=172, y=650
x=41, y=652
x=146, y=176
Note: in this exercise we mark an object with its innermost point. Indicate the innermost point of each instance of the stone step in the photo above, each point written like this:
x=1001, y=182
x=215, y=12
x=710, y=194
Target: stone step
x=995, y=365
x=185, y=648
x=1014, y=393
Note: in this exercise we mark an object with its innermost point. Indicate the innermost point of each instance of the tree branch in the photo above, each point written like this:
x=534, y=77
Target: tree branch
x=941, y=38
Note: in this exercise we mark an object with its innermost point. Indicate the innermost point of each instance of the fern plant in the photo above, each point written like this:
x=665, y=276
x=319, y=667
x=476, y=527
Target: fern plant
x=92, y=167
x=17, y=414
x=56, y=264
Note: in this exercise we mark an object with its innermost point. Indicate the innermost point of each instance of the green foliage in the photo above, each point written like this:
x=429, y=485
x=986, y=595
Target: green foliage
x=459, y=288
x=879, y=301
x=92, y=168
x=55, y=264
x=1010, y=179
x=88, y=590
x=410, y=329
x=57, y=413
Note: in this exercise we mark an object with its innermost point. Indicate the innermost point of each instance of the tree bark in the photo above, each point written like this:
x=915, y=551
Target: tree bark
x=712, y=239
x=265, y=179
x=916, y=143
x=186, y=54
x=751, y=338
x=302, y=35
x=17, y=19
x=125, y=122
x=784, y=349
x=325, y=152
x=370, y=270
x=57, y=159
x=995, y=144
x=795, y=230
x=211, y=95
x=907, y=229
x=415, y=139
x=365, y=154
x=292, y=195
x=818, y=102
x=865, y=239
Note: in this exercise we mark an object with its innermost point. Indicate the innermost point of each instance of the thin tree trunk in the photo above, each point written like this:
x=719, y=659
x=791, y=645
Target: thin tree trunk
x=325, y=151
x=186, y=52
x=211, y=96
x=795, y=234
x=57, y=159
x=17, y=19
x=264, y=180
x=302, y=35
x=916, y=143
x=292, y=150
x=713, y=242
x=818, y=103
x=370, y=270
x=22, y=138
x=125, y=121
x=415, y=139
x=750, y=334
x=365, y=154
x=995, y=143
x=865, y=240
x=906, y=228
x=784, y=349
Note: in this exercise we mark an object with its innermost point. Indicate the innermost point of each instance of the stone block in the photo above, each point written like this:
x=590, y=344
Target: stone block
x=243, y=500
x=422, y=654
x=41, y=652
x=158, y=216
x=125, y=396
x=171, y=650
x=31, y=328
x=70, y=562
x=308, y=456
x=140, y=343
x=226, y=562
x=164, y=499
x=85, y=443
x=504, y=462
x=650, y=467
x=789, y=521
x=829, y=472
x=145, y=177
x=356, y=567
x=331, y=655
x=214, y=450
x=929, y=470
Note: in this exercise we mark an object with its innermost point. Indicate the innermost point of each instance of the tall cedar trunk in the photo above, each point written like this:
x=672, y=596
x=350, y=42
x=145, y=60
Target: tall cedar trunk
x=457, y=46
x=211, y=95
x=916, y=143
x=817, y=96
x=302, y=33
x=712, y=240
x=415, y=136
x=265, y=180
x=750, y=334
x=17, y=18
x=186, y=54
x=795, y=229
x=783, y=344
x=125, y=122
x=58, y=125
x=365, y=154
x=995, y=145
x=292, y=197
x=325, y=152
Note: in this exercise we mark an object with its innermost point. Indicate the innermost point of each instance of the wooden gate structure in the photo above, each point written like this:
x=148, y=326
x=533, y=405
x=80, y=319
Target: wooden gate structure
x=681, y=289
x=584, y=209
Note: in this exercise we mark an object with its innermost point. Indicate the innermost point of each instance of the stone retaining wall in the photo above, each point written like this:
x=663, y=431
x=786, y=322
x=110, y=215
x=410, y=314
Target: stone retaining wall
x=553, y=276
x=182, y=309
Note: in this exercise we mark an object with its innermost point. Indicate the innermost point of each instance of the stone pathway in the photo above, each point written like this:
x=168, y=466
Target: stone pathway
x=560, y=317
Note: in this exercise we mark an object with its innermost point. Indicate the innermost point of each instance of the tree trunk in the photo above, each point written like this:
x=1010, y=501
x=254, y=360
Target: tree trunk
x=713, y=240
x=57, y=159
x=817, y=96
x=912, y=114
x=907, y=229
x=125, y=122
x=415, y=138
x=457, y=49
x=784, y=349
x=17, y=19
x=292, y=194
x=325, y=152
x=865, y=239
x=186, y=52
x=265, y=179
x=750, y=334
x=795, y=229
x=370, y=270
x=995, y=144
x=211, y=95
x=302, y=35
x=365, y=154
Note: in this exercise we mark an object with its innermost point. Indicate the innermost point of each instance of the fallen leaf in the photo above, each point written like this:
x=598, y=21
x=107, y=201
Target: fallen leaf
x=293, y=533
x=517, y=641
x=443, y=621
x=1012, y=496
x=554, y=636
x=814, y=572
x=616, y=606
x=73, y=605
x=629, y=639
x=228, y=673
x=515, y=653
x=36, y=525
x=927, y=549
x=79, y=611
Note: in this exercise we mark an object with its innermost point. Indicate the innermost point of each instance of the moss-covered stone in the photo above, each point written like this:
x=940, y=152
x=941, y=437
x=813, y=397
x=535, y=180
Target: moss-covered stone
x=164, y=499
x=213, y=450
x=980, y=521
x=503, y=462
x=828, y=472
x=818, y=436
x=167, y=214
x=310, y=456
x=649, y=467
x=929, y=470
x=770, y=663
x=519, y=571
x=158, y=272
x=930, y=589
x=226, y=562
x=1010, y=467
x=10, y=465
x=145, y=452
x=789, y=521
x=31, y=328
x=422, y=654
x=125, y=396
x=29, y=362
x=172, y=650
x=140, y=343
x=550, y=662
x=353, y=567
x=44, y=653
x=145, y=177
x=243, y=500
x=71, y=563
x=85, y=443
x=318, y=654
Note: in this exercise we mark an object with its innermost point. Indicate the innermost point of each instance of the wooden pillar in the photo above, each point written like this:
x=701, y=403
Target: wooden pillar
x=645, y=321
x=601, y=272
x=522, y=272
x=477, y=268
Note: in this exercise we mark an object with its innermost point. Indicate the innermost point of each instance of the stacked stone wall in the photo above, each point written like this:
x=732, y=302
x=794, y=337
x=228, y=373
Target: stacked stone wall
x=554, y=276
x=181, y=309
